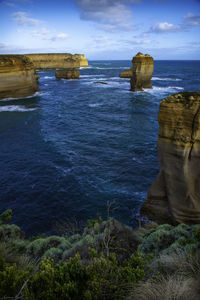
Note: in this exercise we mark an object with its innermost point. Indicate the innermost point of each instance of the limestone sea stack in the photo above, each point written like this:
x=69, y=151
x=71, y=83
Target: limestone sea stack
x=69, y=73
x=174, y=196
x=142, y=71
x=57, y=60
x=17, y=77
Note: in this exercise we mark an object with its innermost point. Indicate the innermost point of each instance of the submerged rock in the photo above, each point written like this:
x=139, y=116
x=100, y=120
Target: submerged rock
x=142, y=71
x=17, y=77
x=69, y=73
x=174, y=196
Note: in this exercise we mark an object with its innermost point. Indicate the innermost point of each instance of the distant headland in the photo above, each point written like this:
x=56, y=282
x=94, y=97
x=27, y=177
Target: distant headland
x=17, y=72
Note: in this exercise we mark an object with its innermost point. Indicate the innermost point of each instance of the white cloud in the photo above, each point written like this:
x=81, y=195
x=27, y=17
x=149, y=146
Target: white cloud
x=46, y=34
x=192, y=20
x=22, y=18
x=100, y=39
x=164, y=27
x=112, y=14
x=62, y=36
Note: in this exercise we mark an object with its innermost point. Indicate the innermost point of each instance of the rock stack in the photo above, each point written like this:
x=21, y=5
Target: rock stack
x=142, y=71
x=69, y=73
x=174, y=196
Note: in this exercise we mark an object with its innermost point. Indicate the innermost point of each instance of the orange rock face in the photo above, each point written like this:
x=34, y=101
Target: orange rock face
x=174, y=196
x=17, y=77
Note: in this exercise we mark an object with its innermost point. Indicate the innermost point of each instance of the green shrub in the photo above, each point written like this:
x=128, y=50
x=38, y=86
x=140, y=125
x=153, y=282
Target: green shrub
x=110, y=280
x=11, y=279
x=6, y=217
x=67, y=281
x=10, y=233
x=166, y=239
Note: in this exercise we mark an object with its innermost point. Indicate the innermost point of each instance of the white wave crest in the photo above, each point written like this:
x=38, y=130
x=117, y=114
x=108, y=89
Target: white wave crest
x=166, y=79
x=163, y=89
x=95, y=104
x=49, y=77
x=15, y=108
x=94, y=75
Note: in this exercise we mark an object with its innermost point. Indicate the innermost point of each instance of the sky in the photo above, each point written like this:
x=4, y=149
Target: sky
x=102, y=29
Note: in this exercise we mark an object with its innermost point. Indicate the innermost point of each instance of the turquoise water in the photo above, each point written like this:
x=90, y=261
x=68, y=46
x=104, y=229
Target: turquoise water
x=69, y=149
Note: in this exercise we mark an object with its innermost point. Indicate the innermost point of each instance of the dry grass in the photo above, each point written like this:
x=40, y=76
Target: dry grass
x=171, y=277
x=22, y=261
x=173, y=287
x=181, y=262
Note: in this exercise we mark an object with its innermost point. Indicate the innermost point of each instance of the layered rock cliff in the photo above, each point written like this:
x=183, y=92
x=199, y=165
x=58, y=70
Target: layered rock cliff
x=57, y=60
x=142, y=71
x=17, y=77
x=174, y=196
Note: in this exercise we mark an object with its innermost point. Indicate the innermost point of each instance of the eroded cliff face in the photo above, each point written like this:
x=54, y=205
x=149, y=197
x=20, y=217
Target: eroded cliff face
x=174, y=196
x=142, y=71
x=57, y=60
x=17, y=77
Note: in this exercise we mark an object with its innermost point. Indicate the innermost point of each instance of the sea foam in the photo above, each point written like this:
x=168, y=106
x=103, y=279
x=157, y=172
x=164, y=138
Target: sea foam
x=15, y=108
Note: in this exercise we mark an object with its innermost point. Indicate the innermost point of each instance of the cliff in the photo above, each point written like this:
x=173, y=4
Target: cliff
x=174, y=196
x=57, y=60
x=142, y=70
x=17, y=77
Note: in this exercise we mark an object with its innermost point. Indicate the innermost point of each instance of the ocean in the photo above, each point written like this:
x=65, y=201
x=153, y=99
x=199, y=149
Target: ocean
x=77, y=146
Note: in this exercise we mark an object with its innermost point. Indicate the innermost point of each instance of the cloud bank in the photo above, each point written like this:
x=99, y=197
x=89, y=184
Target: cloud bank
x=112, y=15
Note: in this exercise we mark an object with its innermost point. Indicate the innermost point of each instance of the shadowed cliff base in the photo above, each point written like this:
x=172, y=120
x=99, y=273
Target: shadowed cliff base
x=174, y=196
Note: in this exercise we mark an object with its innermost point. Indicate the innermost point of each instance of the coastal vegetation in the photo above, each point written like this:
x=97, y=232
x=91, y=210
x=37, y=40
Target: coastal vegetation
x=107, y=260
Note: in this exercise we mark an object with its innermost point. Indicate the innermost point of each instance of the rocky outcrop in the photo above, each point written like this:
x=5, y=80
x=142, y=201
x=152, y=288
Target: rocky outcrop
x=57, y=60
x=100, y=82
x=70, y=73
x=17, y=77
x=126, y=74
x=142, y=71
x=174, y=196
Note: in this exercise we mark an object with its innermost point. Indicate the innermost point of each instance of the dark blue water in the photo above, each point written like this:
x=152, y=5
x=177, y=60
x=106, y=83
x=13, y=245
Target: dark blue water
x=75, y=145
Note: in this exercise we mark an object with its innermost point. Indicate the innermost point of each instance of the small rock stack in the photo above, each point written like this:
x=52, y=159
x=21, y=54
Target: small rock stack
x=142, y=71
x=69, y=73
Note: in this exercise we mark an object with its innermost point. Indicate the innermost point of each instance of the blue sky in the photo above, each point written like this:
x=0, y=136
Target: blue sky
x=102, y=29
